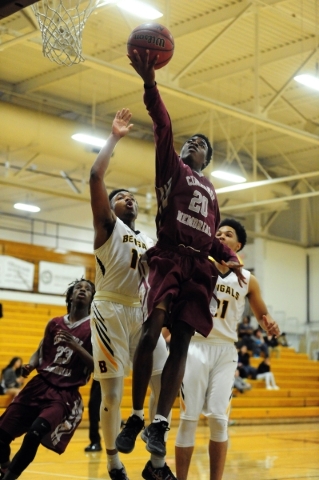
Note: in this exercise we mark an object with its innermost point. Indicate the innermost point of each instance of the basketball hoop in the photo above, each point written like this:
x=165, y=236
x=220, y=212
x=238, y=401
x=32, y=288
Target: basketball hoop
x=61, y=23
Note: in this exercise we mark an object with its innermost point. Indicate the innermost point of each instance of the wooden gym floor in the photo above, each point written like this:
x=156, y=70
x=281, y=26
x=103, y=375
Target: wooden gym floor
x=269, y=452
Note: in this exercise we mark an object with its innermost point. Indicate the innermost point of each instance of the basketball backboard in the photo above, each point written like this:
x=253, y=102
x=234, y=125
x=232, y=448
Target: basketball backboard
x=8, y=7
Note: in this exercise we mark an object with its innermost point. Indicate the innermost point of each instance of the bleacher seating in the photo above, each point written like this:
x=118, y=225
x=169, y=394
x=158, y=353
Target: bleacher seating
x=298, y=397
x=22, y=328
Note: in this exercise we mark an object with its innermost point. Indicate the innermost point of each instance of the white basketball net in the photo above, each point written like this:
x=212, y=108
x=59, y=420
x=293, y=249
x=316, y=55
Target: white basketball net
x=61, y=23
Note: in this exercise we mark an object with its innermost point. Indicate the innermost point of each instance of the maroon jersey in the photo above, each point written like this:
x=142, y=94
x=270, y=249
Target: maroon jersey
x=188, y=212
x=59, y=364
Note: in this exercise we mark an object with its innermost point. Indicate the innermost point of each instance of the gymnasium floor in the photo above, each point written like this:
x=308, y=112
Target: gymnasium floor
x=270, y=452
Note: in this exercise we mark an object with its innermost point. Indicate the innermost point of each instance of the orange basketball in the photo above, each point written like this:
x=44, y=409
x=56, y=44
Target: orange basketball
x=153, y=37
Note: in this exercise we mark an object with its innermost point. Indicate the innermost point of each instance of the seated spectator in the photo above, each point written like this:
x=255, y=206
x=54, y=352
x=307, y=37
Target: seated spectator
x=259, y=346
x=272, y=344
x=245, y=331
x=11, y=379
x=240, y=384
x=244, y=367
x=264, y=373
x=282, y=340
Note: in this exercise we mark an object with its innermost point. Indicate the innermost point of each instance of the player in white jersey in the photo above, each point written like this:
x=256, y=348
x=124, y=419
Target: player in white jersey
x=116, y=318
x=212, y=361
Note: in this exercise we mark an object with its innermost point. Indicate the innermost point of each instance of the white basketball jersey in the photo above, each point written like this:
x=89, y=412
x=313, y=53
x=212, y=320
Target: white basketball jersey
x=230, y=308
x=117, y=260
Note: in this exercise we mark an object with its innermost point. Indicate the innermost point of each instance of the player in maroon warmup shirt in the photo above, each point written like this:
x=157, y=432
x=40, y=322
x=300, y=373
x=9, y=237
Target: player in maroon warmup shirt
x=177, y=278
x=49, y=408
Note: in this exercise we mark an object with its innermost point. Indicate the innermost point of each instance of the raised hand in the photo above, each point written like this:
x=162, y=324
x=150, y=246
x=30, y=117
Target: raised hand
x=144, y=67
x=121, y=124
x=236, y=268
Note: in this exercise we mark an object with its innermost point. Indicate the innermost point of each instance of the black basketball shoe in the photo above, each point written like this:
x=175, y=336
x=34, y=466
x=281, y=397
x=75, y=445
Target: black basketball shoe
x=118, y=474
x=93, y=447
x=125, y=441
x=153, y=436
x=151, y=473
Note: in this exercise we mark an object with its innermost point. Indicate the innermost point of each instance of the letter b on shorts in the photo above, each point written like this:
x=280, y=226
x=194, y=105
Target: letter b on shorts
x=103, y=367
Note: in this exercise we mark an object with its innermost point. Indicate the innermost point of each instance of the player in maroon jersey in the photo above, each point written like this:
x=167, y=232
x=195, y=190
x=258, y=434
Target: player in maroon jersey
x=177, y=278
x=49, y=408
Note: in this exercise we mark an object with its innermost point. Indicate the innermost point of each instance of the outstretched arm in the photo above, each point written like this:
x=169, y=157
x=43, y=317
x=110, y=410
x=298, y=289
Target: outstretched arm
x=103, y=216
x=225, y=256
x=221, y=252
x=260, y=310
x=166, y=157
x=236, y=267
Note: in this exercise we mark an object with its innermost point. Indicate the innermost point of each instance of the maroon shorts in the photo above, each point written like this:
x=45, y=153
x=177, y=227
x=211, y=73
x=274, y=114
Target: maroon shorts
x=188, y=278
x=62, y=408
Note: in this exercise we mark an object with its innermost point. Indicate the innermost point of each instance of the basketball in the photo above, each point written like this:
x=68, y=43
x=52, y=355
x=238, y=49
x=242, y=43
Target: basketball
x=153, y=37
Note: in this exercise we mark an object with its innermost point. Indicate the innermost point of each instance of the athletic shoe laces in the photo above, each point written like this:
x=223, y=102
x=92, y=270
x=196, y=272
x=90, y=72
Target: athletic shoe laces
x=157, y=430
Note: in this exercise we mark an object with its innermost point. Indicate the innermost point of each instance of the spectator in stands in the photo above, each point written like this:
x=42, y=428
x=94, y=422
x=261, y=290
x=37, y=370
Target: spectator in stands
x=259, y=346
x=244, y=367
x=264, y=373
x=94, y=418
x=11, y=379
x=49, y=408
x=240, y=384
x=273, y=344
x=244, y=328
x=282, y=340
x=245, y=331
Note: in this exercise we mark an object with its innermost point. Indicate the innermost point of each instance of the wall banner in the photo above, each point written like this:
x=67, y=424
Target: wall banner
x=55, y=278
x=16, y=274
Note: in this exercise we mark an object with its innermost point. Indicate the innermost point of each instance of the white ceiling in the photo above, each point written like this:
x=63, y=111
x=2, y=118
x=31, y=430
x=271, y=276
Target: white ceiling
x=231, y=77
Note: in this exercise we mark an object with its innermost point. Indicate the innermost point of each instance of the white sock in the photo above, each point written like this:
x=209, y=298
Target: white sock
x=159, y=418
x=113, y=461
x=157, y=462
x=139, y=413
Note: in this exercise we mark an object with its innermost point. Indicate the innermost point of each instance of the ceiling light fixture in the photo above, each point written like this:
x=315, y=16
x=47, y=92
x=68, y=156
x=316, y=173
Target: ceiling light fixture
x=106, y=2
x=140, y=9
x=89, y=139
x=309, y=80
x=26, y=207
x=230, y=177
x=136, y=7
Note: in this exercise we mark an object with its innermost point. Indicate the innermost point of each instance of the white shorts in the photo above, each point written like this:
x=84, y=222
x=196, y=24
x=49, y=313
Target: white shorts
x=116, y=331
x=208, y=380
